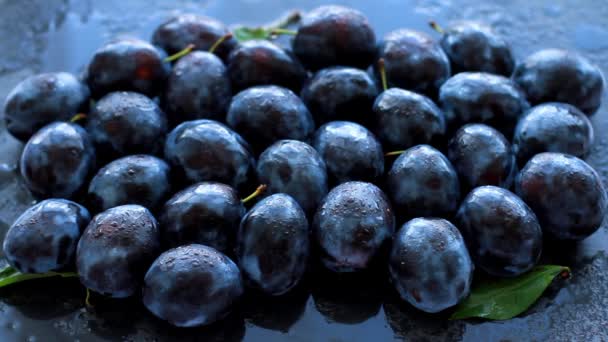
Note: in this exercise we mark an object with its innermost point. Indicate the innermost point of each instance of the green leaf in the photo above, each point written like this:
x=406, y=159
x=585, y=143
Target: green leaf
x=508, y=297
x=243, y=34
x=9, y=275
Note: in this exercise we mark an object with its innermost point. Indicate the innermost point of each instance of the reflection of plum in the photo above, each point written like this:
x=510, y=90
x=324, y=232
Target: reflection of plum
x=113, y=318
x=411, y=324
x=276, y=313
x=229, y=329
x=44, y=299
x=348, y=298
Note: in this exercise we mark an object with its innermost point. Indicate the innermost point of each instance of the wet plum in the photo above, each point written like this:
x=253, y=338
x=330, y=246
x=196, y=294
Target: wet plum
x=473, y=46
x=335, y=35
x=552, y=127
x=429, y=264
x=476, y=97
x=566, y=194
x=198, y=87
x=273, y=245
x=350, y=152
x=206, y=213
x=206, y=150
x=192, y=285
x=554, y=75
x=294, y=168
x=116, y=249
x=45, y=236
x=482, y=156
x=422, y=182
x=260, y=62
x=127, y=64
x=138, y=179
x=413, y=61
x=502, y=233
x=124, y=123
x=182, y=30
x=340, y=93
x=405, y=119
x=266, y=114
x=57, y=160
x=41, y=99
x=352, y=225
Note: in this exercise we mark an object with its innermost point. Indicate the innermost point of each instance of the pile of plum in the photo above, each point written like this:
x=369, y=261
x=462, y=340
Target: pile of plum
x=343, y=138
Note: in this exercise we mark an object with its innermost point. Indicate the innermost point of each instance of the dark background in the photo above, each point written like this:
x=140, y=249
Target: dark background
x=54, y=35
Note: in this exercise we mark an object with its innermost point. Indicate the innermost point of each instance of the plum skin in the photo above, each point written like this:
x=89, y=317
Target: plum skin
x=352, y=225
x=57, y=160
x=422, y=182
x=41, y=99
x=429, y=264
x=116, y=249
x=207, y=213
x=295, y=168
x=566, y=194
x=45, y=236
x=273, y=245
x=502, y=233
x=192, y=285
x=137, y=179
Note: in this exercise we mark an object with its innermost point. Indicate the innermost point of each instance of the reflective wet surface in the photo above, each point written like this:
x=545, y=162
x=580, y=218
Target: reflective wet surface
x=54, y=35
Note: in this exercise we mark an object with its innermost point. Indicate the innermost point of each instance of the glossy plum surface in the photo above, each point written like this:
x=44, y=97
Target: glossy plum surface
x=41, y=99
x=44, y=237
x=57, y=160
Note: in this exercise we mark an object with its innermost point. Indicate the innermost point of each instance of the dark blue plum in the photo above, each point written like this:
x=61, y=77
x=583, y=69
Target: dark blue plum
x=116, y=249
x=554, y=75
x=192, y=285
x=502, y=233
x=206, y=150
x=473, y=46
x=352, y=226
x=413, y=61
x=335, y=35
x=566, y=194
x=124, y=123
x=41, y=99
x=340, y=93
x=552, y=127
x=45, y=236
x=260, y=62
x=127, y=64
x=206, y=213
x=350, y=152
x=422, y=182
x=477, y=97
x=482, y=156
x=198, y=88
x=273, y=245
x=57, y=160
x=294, y=168
x=138, y=179
x=266, y=114
x=405, y=119
x=179, y=31
x=429, y=264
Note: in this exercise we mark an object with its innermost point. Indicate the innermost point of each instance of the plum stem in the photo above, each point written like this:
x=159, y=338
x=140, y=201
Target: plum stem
x=279, y=31
x=78, y=117
x=180, y=54
x=259, y=190
x=87, y=299
x=436, y=27
x=219, y=42
x=382, y=69
x=394, y=153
